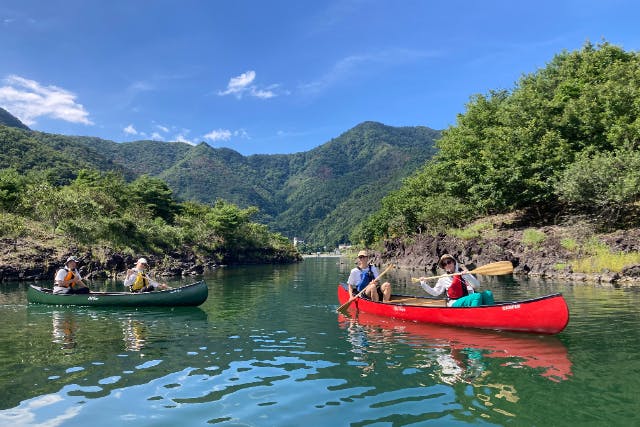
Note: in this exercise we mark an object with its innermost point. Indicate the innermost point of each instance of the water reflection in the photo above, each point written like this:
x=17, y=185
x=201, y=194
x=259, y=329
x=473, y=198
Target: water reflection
x=135, y=334
x=457, y=354
x=65, y=327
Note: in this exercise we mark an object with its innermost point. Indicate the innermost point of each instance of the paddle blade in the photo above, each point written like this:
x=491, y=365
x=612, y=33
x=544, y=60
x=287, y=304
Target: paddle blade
x=344, y=307
x=494, y=269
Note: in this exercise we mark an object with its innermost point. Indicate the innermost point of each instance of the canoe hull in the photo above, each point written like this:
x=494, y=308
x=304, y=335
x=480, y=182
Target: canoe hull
x=189, y=295
x=544, y=315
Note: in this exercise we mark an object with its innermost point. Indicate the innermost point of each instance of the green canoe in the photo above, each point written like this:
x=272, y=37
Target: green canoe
x=189, y=295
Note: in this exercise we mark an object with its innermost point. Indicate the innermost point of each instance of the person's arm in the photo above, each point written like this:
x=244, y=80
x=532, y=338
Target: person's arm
x=471, y=280
x=156, y=284
x=436, y=290
x=375, y=272
x=59, y=280
x=130, y=277
x=78, y=279
x=352, y=281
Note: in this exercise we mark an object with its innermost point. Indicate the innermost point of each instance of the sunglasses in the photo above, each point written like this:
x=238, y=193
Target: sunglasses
x=363, y=256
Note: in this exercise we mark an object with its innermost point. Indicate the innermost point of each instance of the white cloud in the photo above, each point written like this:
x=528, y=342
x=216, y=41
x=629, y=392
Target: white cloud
x=157, y=137
x=28, y=100
x=182, y=137
x=219, y=135
x=243, y=85
x=226, y=134
x=130, y=130
x=163, y=128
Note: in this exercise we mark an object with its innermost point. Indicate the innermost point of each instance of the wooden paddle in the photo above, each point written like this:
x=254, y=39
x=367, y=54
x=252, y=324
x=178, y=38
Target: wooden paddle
x=353, y=298
x=492, y=269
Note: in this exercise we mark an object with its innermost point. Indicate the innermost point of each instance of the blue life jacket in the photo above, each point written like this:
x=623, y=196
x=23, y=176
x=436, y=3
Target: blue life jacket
x=366, y=276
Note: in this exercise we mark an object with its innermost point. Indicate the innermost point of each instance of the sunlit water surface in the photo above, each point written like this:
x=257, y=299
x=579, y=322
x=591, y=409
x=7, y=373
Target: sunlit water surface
x=268, y=349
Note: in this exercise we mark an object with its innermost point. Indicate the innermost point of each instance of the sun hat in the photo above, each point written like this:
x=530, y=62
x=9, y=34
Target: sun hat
x=142, y=261
x=445, y=257
x=362, y=253
x=71, y=258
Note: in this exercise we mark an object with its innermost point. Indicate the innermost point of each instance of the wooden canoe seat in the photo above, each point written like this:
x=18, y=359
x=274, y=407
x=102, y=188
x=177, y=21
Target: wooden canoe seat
x=423, y=302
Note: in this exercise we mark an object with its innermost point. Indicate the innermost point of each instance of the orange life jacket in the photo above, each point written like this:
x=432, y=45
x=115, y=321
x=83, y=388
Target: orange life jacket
x=70, y=275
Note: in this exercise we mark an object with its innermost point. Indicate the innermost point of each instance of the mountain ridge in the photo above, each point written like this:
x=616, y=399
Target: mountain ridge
x=318, y=195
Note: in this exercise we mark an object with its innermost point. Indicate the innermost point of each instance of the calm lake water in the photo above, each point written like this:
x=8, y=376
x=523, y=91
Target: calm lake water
x=268, y=349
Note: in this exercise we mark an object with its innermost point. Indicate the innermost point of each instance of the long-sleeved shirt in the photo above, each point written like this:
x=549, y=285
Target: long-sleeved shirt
x=444, y=283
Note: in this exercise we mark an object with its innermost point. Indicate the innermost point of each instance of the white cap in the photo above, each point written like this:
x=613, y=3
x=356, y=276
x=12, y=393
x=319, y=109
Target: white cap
x=142, y=261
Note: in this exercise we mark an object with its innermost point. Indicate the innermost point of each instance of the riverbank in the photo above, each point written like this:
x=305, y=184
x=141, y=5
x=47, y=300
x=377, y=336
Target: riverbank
x=28, y=259
x=573, y=252
x=570, y=252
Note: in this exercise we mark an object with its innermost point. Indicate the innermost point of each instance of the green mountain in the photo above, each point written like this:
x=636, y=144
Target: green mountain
x=7, y=119
x=318, y=196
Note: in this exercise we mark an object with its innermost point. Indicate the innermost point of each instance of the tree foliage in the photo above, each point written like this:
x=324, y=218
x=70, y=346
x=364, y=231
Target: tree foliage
x=510, y=149
x=102, y=209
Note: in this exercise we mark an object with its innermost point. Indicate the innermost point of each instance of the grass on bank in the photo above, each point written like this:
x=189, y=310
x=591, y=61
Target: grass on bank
x=605, y=259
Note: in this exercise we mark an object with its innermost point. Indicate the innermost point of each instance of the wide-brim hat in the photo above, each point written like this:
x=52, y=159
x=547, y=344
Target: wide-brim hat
x=445, y=257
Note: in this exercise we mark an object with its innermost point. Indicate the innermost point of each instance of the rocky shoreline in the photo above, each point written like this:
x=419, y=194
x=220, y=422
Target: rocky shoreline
x=548, y=261
x=43, y=264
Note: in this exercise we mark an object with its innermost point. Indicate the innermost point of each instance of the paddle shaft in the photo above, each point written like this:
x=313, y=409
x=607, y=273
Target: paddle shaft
x=492, y=269
x=353, y=298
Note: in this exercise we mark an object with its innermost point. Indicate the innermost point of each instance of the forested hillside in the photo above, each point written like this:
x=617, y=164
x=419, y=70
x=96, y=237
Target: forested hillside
x=318, y=196
x=7, y=119
x=563, y=143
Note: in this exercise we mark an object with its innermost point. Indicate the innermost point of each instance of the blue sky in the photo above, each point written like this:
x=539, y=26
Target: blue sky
x=277, y=76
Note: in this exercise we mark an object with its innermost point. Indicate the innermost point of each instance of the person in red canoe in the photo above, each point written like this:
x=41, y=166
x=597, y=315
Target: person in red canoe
x=460, y=289
x=364, y=276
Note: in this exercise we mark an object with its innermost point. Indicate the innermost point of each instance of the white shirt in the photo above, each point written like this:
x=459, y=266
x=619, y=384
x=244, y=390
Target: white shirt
x=354, y=276
x=60, y=275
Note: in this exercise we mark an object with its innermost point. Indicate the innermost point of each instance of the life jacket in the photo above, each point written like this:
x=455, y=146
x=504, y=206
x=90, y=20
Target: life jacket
x=70, y=275
x=140, y=282
x=458, y=288
x=366, y=276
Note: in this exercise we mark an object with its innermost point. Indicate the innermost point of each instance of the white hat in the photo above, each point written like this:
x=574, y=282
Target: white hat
x=142, y=261
x=72, y=258
x=362, y=253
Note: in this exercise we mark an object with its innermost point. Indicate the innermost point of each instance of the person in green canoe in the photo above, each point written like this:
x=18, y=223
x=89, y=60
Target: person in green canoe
x=137, y=279
x=68, y=279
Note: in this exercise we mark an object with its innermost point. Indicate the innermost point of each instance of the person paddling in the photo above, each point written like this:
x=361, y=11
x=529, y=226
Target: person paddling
x=460, y=289
x=137, y=280
x=364, y=276
x=68, y=279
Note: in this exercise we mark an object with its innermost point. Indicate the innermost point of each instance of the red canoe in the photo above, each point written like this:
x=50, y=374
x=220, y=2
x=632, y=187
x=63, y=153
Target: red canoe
x=544, y=315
